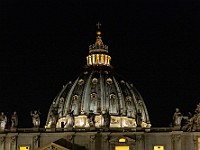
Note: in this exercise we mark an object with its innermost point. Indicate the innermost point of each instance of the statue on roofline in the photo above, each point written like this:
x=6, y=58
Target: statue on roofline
x=3, y=121
x=14, y=120
x=193, y=121
x=35, y=118
x=188, y=122
x=177, y=118
x=69, y=119
x=54, y=115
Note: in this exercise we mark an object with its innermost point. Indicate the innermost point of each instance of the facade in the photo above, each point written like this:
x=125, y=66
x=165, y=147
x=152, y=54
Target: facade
x=100, y=110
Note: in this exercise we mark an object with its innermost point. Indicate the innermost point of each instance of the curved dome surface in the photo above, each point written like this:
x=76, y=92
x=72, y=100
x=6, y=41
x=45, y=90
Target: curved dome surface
x=98, y=98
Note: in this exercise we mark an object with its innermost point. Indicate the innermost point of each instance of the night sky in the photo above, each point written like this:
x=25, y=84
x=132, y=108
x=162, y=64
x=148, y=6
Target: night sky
x=153, y=43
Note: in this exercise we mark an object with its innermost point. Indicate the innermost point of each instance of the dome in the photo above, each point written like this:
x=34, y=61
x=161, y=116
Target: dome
x=98, y=98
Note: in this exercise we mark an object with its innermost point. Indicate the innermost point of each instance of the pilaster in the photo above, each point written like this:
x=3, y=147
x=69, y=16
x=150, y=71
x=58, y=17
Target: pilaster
x=92, y=141
x=195, y=142
x=105, y=141
x=12, y=142
x=2, y=142
x=35, y=141
x=176, y=140
x=140, y=142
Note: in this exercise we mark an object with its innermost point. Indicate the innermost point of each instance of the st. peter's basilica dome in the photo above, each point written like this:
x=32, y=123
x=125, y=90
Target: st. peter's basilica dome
x=98, y=98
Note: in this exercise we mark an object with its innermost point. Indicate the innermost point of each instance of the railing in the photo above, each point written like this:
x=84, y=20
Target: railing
x=47, y=130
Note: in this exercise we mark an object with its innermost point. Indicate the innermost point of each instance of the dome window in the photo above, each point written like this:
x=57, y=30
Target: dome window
x=94, y=80
x=81, y=82
x=93, y=96
x=113, y=99
x=122, y=82
x=75, y=97
x=109, y=81
x=85, y=72
x=112, y=96
x=106, y=72
x=128, y=98
x=122, y=140
x=54, y=104
x=61, y=100
x=140, y=102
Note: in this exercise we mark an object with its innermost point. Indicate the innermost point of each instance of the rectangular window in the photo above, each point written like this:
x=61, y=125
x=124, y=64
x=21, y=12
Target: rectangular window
x=24, y=148
x=121, y=147
x=158, y=147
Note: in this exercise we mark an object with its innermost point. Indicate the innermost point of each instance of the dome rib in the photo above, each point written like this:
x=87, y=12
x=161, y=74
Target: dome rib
x=85, y=97
x=146, y=116
x=121, y=99
x=103, y=94
x=134, y=100
x=68, y=99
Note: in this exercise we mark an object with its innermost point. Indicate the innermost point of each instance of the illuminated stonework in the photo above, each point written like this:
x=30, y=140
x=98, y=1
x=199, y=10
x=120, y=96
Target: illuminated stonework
x=98, y=60
x=81, y=121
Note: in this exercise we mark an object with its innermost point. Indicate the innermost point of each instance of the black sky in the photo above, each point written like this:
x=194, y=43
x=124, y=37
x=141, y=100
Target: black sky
x=153, y=44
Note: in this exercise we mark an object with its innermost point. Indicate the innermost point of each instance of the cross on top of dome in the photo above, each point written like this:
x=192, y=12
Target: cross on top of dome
x=98, y=27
